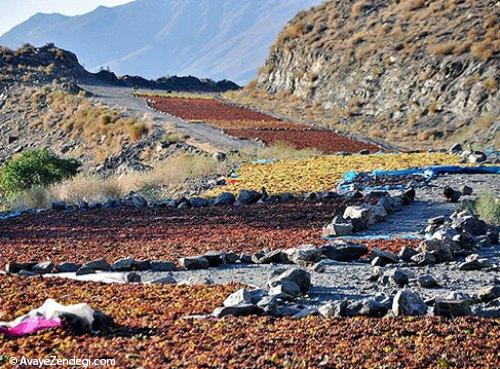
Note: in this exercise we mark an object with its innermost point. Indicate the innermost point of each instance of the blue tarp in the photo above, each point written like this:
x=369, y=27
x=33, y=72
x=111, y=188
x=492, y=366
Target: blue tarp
x=427, y=172
x=435, y=170
x=380, y=237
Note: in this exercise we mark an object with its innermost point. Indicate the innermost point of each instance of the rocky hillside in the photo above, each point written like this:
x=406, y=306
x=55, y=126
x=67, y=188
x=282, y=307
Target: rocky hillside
x=41, y=65
x=30, y=64
x=410, y=71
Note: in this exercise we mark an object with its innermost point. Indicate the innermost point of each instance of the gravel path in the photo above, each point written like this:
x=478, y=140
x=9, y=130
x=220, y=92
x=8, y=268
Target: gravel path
x=121, y=98
x=430, y=203
x=340, y=280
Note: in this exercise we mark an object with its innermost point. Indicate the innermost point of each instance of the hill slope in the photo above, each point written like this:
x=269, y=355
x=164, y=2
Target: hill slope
x=411, y=71
x=216, y=39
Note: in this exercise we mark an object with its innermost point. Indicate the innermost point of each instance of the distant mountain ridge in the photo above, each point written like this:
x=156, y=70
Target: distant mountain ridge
x=42, y=65
x=222, y=39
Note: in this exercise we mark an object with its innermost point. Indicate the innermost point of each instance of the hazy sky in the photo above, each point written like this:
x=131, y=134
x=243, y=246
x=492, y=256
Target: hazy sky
x=13, y=12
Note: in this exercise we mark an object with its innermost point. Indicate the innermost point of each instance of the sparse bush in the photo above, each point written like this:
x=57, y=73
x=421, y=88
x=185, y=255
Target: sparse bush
x=486, y=206
x=173, y=137
x=60, y=54
x=291, y=31
x=490, y=84
x=482, y=50
x=447, y=48
x=106, y=119
x=252, y=85
x=37, y=168
x=412, y=5
x=137, y=131
x=50, y=69
x=358, y=6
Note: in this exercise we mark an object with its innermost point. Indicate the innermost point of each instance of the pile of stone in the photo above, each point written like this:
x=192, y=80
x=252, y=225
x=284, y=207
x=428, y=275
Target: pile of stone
x=100, y=265
x=244, y=197
x=358, y=218
x=304, y=255
x=287, y=295
x=280, y=299
x=473, y=156
x=452, y=239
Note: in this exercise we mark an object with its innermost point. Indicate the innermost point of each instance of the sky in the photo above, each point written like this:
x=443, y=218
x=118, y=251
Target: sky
x=14, y=12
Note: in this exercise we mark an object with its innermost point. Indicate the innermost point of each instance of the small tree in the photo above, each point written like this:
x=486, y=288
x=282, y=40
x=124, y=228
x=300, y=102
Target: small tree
x=36, y=168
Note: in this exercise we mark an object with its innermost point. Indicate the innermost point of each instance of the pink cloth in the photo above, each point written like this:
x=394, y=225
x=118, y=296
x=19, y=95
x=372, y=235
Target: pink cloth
x=31, y=325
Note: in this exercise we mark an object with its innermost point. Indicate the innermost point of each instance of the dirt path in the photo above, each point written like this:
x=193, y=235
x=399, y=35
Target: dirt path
x=121, y=98
x=430, y=203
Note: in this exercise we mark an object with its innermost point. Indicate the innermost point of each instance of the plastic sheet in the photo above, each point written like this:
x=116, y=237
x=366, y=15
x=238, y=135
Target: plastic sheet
x=427, y=172
x=30, y=326
x=46, y=316
x=383, y=237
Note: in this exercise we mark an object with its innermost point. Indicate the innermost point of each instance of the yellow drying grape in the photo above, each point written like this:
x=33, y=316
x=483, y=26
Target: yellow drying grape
x=324, y=172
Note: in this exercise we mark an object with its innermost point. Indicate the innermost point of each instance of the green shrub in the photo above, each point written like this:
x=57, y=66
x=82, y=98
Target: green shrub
x=488, y=208
x=36, y=168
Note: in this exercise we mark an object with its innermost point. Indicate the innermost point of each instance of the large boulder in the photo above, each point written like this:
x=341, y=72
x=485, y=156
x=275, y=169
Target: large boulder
x=345, y=308
x=451, y=195
x=408, y=303
x=215, y=258
x=244, y=296
x=470, y=224
x=43, y=268
x=386, y=257
x=15, y=268
x=338, y=227
x=407, y=253
x=122, y=265
x=98, y=264
x=237, y=310
x=299, y=276
x=135, y=200
x=424, y=258
x=199, y=202
x=162, y=266
x=249, y=196
x=489, y=293
x=67, y=267
x=395, y=276
x=194, y=262
x=361, y=217
x=344, y=251
x=333, y=309
x=225, y=198
x=304, y=254
x=452, y=308
x=285, y=287
x=427, y=281
x=274, y=256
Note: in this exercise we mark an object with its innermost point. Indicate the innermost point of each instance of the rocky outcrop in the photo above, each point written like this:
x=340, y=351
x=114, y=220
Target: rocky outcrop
x=173, y=83
x=411, y=68
x=41, y=65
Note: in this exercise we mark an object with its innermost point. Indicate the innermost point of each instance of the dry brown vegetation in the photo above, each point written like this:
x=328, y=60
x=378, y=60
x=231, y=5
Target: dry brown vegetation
x=50, y=108
x=420, y=25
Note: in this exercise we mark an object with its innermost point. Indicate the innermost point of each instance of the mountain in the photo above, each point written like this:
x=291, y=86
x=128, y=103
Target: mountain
x=218, y=39
x=413, y=72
